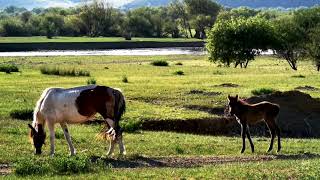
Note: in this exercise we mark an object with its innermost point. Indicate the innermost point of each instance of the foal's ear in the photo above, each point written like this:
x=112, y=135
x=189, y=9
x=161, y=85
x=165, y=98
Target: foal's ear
x=229, y=97
x=237, y=96
x=32, y=128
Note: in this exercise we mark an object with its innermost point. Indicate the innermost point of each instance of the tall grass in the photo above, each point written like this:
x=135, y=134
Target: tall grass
x=63, y=71
x=8, y=68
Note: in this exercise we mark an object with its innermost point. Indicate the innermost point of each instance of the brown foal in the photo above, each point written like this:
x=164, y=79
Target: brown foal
x=248, y=114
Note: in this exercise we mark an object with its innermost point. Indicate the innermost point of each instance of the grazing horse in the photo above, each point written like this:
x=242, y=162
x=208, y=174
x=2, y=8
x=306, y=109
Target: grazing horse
x=77, y=105
x=248, y=114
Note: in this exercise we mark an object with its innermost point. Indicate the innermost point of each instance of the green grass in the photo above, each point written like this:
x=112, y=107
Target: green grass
x=154, y=93
x=58, y=71
x=262, y=91
x=38, y=39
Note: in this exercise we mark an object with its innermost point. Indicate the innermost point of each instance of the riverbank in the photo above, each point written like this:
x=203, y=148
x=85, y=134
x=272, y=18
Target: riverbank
x=16, y=47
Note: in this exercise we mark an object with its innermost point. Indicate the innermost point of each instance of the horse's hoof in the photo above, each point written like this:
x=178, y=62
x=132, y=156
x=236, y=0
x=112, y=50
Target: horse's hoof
x=242, y=151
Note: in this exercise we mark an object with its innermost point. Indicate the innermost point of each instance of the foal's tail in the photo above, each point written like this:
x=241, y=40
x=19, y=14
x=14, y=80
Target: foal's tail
x=120, y=105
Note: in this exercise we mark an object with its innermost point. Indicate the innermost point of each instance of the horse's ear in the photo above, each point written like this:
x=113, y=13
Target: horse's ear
x=32, y=128
x=229, y=97
x=237, y=96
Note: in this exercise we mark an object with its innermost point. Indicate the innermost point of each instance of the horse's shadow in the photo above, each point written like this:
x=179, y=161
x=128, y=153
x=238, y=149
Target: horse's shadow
x=136, y=162
x=142, y=162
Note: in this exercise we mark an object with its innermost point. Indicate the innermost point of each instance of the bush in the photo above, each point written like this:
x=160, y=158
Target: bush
x=125, y=79
x=13, y=27
x=63, y=72
x=262, y=91
x=160, y=63
x=29, y=166
x=74, y=164
x=180, y=73
x=91, y=81
x=8, y=68
x=23, y=114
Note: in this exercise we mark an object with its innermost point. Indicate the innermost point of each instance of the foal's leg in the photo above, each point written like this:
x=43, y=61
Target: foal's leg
x=250, y=140
x=52, y=137
x=68, y=138
x=111, y=132
x=272, y=127
x=278, y=134
x=243, y=135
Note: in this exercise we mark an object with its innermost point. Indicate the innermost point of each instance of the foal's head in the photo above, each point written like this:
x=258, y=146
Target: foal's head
x=233, y=104
x=38, y=137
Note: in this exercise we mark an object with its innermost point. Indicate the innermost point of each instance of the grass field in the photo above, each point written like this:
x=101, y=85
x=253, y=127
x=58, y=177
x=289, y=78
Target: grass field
x=157, y=93
x=38, y=39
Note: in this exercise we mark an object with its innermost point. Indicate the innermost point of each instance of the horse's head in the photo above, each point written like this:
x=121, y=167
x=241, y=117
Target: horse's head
x=38, y=137
x=233, y=104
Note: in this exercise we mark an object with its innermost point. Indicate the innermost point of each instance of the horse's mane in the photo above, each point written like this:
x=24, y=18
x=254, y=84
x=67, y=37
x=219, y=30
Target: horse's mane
x=243, y=102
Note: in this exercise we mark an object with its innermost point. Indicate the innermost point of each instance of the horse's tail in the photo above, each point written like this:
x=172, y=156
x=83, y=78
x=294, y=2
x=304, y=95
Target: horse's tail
x=275, y=110
x=120, y=105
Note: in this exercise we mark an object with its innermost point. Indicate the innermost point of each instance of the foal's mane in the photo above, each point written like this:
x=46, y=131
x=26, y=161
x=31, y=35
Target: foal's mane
x=243, y=102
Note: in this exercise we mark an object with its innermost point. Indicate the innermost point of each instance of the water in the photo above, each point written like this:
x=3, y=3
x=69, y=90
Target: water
x=112, y=52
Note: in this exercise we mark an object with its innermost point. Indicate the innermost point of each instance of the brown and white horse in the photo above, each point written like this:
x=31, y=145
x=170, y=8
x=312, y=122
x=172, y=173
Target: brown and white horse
x=248, y=114
x=77, y=105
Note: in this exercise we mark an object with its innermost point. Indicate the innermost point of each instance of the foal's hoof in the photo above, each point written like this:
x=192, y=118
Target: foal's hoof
x=242, y=151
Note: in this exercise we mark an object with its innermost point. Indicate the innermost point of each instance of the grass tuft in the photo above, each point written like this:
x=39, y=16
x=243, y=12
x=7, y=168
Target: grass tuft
x=298, y=76
x=179, y=72
x=179, y=64
x=75, y=164
x=23, y=114
x=27, y=166
x=131, y=126
x=63, y=72
x=262, y=91
x=125, y=79
x=91, y=81
x=159, y=63
x=8, y=68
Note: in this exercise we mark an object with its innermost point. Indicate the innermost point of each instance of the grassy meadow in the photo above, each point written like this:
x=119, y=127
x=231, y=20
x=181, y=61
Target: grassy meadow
x=153, y=93
x=43, y=39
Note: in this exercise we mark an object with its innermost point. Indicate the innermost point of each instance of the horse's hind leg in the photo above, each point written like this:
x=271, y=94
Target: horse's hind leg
x=121, y=145
x=278, y=134
x=250, y=140
x=272, y=127
x=68, y=138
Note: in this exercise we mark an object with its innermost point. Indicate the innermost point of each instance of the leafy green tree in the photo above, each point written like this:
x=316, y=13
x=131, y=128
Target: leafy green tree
x=239, y=40
x=313, y=46
x=13, y=27
x=52, y=24
x=290, y=38
x=178, y=9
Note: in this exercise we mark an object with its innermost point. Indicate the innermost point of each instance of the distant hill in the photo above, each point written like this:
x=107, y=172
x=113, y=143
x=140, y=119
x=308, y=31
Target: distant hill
x=234, y=3
x=29, y=4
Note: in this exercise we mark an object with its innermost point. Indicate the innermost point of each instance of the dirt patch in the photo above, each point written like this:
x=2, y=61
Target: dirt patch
x=196, y=91
x=306, y=88
x=188, y=162
x=229, y=85
x=5, y=169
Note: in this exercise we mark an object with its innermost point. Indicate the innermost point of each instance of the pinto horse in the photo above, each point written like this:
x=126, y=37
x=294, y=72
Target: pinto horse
x=77, y=105
x=248, y=114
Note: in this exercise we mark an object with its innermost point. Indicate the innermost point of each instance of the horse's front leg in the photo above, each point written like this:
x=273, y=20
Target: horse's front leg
x=68, y=138
x=243, y=135
x=52, y=137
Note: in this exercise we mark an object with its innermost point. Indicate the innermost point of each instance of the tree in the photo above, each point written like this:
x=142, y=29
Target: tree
x=203, y=14
x=53, y=23
x=178, y=9
x=290, y=38
x=239, y=40
x=313, y=46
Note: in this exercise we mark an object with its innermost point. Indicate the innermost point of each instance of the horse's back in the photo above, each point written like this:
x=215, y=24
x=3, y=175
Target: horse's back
x=270, y=109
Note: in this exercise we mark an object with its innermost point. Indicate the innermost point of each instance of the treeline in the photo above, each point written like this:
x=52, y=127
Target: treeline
x=187, y=18
x=240, y=34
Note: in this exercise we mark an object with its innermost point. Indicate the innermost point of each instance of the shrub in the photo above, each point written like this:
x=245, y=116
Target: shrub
x=8, y=68
x=74, y=164
x=23, y=114
x=29, y=166
x=63, y=72
x=160, y=63
x=91, y=81
x=179, y=150
x=179, y=64
x=262, y=91
x=125, y=79
x=180, y=73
